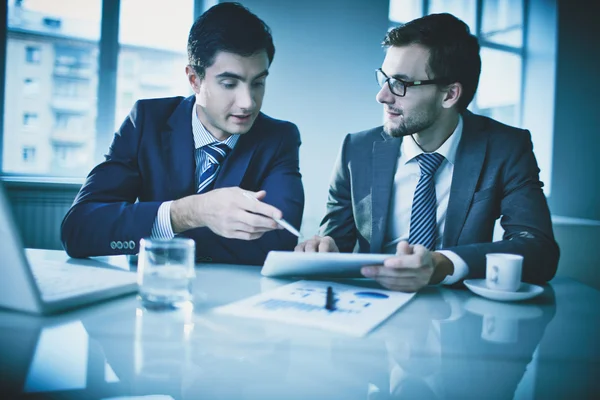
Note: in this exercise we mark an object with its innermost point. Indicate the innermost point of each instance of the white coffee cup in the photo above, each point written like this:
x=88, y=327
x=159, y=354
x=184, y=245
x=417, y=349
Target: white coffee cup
x=503, y=271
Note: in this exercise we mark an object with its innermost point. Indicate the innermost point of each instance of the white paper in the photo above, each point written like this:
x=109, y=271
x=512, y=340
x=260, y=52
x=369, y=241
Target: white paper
x=357, y=310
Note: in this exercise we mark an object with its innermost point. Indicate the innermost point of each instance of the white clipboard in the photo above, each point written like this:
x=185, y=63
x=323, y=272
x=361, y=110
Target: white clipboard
x=281, y=264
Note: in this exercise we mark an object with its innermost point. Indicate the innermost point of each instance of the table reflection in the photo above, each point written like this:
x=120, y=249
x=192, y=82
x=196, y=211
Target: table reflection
x=445, y=343
x=52, y=355
x=457, y=345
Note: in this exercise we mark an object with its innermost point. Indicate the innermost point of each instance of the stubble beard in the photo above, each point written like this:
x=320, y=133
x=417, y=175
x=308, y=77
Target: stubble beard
x=410, y=125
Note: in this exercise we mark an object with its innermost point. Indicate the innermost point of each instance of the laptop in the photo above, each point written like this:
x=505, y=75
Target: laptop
x=48, y=281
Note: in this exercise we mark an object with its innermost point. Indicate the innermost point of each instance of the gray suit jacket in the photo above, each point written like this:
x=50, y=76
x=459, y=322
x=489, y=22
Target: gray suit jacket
x=495, y=175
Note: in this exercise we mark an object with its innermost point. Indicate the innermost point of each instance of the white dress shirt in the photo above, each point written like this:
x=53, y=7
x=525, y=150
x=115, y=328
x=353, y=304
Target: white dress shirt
x=162, y=228
x=405, y=182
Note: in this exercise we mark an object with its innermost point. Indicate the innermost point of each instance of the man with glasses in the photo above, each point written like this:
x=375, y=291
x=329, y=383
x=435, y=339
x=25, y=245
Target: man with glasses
x=429, y=185
x=211, y=166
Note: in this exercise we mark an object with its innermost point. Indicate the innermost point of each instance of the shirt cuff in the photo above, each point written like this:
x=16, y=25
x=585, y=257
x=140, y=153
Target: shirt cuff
x=162, y=228
x=461, y=269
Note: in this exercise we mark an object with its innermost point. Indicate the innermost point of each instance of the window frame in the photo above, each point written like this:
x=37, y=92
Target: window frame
x=519, y=51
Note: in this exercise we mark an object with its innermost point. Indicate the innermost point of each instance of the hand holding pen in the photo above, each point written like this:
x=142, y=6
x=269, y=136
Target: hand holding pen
x=227, y=212
x=282, y=222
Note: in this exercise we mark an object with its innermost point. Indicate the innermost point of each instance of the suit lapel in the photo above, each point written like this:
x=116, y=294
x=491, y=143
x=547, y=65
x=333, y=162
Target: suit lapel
x=385, y=158
x=178, y=150
x=470, y=157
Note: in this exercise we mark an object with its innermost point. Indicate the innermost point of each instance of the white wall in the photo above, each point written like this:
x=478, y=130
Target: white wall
x=323, y=79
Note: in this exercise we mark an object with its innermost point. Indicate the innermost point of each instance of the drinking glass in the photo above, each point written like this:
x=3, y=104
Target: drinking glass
x=166, y=272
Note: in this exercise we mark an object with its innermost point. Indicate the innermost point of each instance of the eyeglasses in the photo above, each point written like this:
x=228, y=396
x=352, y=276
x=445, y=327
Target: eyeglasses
x=398, y=86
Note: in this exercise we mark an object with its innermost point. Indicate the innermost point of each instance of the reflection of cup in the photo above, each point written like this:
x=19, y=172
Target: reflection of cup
x=499, y=330
x=501, y=321
x=166, y=272
x=503, y=271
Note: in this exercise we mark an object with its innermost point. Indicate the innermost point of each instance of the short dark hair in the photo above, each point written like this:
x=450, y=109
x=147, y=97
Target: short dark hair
x=228, y=27
x=453, y=50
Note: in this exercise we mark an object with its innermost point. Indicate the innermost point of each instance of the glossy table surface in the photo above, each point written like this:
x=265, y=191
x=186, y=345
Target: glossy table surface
x=445, y=343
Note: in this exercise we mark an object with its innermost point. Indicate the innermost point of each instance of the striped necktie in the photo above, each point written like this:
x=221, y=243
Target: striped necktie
x=423, y=229
x=215, y=155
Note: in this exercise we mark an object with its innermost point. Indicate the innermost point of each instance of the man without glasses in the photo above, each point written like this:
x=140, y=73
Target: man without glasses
x=430, y=184
x=192, y=166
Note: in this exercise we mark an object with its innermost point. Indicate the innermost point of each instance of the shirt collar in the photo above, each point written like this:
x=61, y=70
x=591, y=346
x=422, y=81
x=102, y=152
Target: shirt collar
x=202, y=136
x=410, y=149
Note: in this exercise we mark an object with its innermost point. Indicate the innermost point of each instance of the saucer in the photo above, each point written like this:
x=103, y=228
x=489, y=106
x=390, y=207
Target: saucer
x=526, y=291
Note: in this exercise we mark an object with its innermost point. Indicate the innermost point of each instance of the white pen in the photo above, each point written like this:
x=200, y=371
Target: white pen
x=281, y=221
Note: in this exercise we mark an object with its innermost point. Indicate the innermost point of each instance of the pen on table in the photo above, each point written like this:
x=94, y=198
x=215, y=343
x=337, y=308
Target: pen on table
x=281, y=221
x=330, y=299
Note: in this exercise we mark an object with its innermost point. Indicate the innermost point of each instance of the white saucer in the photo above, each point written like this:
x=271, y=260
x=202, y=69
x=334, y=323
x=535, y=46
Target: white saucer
x=526, y=291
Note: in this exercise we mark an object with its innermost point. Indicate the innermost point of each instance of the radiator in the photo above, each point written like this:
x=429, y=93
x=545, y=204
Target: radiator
x=38, y=213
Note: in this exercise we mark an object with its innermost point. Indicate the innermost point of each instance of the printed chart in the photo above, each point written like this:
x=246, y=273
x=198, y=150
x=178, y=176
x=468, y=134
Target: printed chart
x=356, y=310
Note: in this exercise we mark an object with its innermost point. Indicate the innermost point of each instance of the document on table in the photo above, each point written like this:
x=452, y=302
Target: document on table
x=356, y=310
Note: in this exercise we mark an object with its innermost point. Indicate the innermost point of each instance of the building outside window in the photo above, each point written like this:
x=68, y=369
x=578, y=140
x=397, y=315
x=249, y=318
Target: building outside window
x=58, y=75
x=52, y=76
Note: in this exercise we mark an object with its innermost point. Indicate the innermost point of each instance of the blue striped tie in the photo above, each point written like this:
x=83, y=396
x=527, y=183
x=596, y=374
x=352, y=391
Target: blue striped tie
x=424, y=208
x=215, y=154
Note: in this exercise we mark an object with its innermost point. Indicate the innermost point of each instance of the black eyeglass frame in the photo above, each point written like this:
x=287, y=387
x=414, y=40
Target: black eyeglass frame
x=405, y=84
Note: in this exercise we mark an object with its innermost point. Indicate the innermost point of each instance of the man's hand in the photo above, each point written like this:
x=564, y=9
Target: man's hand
x=412, y=268
x=226, y=212
x=318, y=244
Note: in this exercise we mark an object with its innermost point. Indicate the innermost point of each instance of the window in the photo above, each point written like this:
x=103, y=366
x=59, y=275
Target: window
x=127, y=98
x=28, y=154
x=127, y=66
x=30, y=120
x=70, y=123
x=499, y=92
x=463, y=9
x=159, y=54
x=65, y=156
x=74, y=61
x=61, y=39
x=501, y=39
x=70, y=88
x=405, y=10
x=33, y=54
x=503, y=22
x=58, y=87
x=518, y=56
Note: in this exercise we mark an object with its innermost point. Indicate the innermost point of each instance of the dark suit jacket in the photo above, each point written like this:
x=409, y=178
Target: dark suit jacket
x=151, y=160
x=495, y=175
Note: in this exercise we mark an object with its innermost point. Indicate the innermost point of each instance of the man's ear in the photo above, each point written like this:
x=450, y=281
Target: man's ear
x=193, y=78
x=452, y=94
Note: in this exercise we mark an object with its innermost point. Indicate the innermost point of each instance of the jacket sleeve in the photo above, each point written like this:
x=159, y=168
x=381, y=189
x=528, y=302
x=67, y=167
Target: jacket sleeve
x=105, y=211
x=525, y=219
x=339, y=218
x=283, y=183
